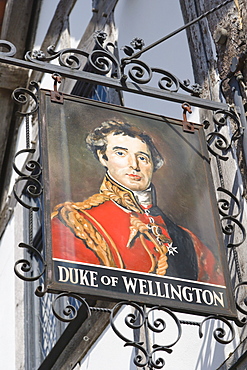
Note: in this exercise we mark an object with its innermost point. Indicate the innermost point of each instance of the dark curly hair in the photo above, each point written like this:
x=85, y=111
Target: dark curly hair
x=97, y=139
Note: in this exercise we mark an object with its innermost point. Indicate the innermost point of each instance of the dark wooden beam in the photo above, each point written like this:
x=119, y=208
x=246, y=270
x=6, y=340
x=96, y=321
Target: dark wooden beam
x=16, y=28
x=16, y=23
x=2, y=10
x=55, y=29
x=102, y=19
x=77, y=338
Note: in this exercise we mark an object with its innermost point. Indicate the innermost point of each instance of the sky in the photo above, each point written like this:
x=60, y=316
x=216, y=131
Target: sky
x=133, y=19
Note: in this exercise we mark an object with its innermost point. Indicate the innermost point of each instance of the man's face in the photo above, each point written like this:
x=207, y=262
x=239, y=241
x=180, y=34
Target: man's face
x=128, y=161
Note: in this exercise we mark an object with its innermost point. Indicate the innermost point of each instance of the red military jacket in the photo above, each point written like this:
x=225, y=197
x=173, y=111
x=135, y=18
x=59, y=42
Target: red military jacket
x=111, y=229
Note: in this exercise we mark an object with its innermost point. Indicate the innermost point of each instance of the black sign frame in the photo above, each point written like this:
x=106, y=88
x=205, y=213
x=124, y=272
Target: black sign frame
x=60, y=120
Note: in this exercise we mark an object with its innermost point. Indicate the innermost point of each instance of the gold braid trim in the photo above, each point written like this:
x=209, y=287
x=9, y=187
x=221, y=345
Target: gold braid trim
x=83, y=229
x=121, y=196
x=139, y=226
x=149, y=253
x=162, y=265
x=93, y=201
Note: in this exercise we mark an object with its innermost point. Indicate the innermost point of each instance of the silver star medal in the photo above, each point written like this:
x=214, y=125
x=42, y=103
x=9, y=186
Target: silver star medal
x=171, y=249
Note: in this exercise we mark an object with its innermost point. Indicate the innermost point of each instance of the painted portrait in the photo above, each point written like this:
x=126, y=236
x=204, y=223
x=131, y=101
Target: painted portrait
x=130, y=192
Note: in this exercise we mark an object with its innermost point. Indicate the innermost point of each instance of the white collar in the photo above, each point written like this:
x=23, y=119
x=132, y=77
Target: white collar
x=143, y=197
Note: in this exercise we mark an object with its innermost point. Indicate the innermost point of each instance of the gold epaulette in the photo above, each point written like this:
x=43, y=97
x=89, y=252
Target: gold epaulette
x=92, y=201
x=71, y=214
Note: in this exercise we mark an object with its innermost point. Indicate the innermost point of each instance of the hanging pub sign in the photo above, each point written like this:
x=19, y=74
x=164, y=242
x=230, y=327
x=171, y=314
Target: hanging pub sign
x=129, y=208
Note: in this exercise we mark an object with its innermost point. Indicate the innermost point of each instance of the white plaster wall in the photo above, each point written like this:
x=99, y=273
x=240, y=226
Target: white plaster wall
x=7, y=290
x=12, y=319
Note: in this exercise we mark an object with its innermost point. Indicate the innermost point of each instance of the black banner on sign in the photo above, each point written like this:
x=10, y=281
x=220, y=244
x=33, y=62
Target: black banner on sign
x=129, y=208
x=94, y=280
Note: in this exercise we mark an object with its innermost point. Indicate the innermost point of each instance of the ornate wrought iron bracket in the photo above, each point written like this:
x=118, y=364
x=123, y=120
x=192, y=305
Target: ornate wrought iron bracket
x=103, y=62
x=31, y=186
x=131, y=75
x=135, y=322
x=230, y=208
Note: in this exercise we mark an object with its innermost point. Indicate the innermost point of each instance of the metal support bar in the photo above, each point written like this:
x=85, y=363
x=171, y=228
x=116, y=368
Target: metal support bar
x=238, y=101
x=139, y=53
x=115, y=83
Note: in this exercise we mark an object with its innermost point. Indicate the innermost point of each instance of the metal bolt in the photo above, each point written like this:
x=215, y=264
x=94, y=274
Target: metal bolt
x=86, y=338
x=206, y=124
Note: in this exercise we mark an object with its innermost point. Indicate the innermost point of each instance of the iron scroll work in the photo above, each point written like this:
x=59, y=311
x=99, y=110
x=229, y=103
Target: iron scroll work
x=103, y=63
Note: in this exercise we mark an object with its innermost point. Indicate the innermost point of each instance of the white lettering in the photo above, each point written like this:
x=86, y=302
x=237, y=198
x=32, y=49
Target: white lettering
x=166, y=290
x=83, y=277
x=187, y=296
x=93, y=275
x=129, y=283
x=63, y=274
x=198, y=298
x=158, y=289
x=206, y=293
x=219, y=299
x=177, y=293
x=73, y=280
x=143, y=285
x=150, y=286
x=114, y=280
x=106, y=280
x=77, y=276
